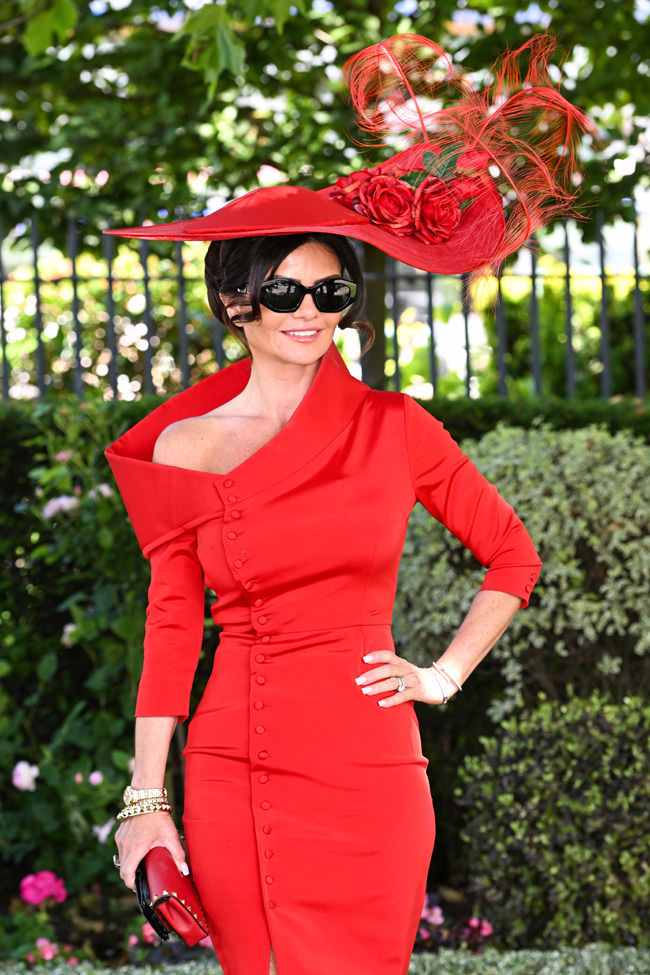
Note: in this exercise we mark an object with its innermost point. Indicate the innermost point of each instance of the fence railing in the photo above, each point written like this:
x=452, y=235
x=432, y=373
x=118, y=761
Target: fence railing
x=135, y=321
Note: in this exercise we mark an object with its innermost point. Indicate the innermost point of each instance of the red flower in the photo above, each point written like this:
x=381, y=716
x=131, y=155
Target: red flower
x=436, y=211
x=465, y=187
x=388, y=201
x=346, y=189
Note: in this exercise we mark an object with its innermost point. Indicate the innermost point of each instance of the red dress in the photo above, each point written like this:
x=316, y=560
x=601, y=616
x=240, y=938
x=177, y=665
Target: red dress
x=308, y=814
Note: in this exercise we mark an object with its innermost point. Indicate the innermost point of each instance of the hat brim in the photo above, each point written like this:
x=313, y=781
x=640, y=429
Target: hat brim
x=286, y=209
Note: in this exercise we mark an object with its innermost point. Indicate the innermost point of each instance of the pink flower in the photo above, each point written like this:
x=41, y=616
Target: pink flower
x=24, y=776
x=105, y=490
x=56, y=505
x=42, y=942
x=103, y=832
x=72, y=960
x=133, y=940
x=423, y=933
x=149, y=935
x=95, y=778
x=474, y=923
x=37, y=887
x=30, y=956
x=434, y=915
x=48, y=951
x=270, y=175
x=486, y=929
x=62, y=456
x=78, y=777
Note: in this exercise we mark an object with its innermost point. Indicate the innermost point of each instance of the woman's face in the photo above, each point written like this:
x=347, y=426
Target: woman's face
x=302, y=336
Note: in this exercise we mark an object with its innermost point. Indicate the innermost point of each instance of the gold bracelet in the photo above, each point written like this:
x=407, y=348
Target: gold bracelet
x=139, y=809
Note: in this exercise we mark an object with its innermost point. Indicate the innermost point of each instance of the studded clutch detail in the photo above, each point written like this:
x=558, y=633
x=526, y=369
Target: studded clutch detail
x=167, y=899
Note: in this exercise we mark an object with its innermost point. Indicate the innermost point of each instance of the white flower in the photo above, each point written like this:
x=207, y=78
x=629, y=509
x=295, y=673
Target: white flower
x=55, y=505
x=103, y=832
x=68, y=636
x=95, y=778
x=24, y=776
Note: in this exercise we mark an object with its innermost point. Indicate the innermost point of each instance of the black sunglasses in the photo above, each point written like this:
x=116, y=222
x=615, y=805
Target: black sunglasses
x=285, y=294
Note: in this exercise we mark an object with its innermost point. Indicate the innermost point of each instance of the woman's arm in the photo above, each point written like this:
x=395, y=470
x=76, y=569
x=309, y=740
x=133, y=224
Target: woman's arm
x=138, y=834
x=489, y=616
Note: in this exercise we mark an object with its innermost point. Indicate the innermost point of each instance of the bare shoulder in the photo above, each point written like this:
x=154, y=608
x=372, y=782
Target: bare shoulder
x=188, y=443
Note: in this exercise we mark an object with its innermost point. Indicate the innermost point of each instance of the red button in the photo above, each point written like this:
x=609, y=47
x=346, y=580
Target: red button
x=233, y=497
x=232, y=535
x=235, y=514
x=263, y=779
x=260, y=729
x=238, y=563
x=262, y=619
x=260, y=679
x=260, y=658
x=272, y=904
x=268, y=854
x=263, y=754
x=249, y=585
x=266, y=804
x=228, y=483
x=258, y=602
x=268, y=879
x=266, y=638
x=258, y=705
x=266, y=829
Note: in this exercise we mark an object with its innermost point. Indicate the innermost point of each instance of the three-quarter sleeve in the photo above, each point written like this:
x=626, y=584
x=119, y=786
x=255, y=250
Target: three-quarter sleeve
x=173, y=629
x=452, y=489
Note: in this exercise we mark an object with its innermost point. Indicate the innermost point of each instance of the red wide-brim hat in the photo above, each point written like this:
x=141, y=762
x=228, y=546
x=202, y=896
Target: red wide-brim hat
x=488, y=170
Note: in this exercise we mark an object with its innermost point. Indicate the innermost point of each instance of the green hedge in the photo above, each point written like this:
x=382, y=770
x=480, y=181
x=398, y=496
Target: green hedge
x=594, y=960
x=558, y=809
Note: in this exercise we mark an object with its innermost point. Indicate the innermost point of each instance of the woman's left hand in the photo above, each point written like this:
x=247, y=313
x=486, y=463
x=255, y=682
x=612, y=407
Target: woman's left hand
x=421, y=683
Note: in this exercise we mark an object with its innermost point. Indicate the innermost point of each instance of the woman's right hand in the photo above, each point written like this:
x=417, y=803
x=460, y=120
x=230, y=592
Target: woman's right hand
x=139, y=834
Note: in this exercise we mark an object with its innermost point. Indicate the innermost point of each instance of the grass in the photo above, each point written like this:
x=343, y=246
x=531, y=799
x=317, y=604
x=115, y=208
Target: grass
x=592, y=960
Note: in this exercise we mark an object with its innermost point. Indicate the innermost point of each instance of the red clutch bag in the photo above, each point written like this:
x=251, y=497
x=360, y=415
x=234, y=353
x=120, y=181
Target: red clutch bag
x=167, y=899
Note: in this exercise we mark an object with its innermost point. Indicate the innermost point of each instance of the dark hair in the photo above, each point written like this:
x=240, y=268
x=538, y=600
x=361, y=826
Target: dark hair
x=245, y=262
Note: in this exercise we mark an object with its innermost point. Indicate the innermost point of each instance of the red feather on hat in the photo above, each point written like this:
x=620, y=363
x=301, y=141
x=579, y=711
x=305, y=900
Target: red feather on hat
x=527, y=130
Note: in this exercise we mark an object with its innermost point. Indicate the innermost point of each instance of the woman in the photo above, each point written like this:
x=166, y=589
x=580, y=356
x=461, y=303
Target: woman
x=285, y=485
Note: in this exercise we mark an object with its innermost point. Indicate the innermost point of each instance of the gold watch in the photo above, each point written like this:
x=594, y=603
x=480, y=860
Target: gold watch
x=131, y=795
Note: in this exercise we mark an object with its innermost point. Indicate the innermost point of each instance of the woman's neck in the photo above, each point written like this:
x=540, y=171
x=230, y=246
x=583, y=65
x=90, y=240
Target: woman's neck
x=275, y=389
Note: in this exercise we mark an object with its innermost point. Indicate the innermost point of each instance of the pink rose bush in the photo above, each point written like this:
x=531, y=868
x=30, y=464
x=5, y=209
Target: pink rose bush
x=47, y=950
x=38, y=887
x=434, y=931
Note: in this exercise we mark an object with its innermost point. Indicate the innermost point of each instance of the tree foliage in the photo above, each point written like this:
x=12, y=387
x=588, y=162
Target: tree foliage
x=122, y=110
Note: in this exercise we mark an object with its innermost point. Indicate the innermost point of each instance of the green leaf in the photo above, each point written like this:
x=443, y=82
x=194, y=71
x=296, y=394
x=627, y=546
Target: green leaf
x=464, y=204
x=50, y=25
x=47, y=667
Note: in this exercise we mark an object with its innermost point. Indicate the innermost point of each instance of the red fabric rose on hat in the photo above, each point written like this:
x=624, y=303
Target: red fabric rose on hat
x=473, y=161
x=436, y=211
x=387, y=201
x=346, y=189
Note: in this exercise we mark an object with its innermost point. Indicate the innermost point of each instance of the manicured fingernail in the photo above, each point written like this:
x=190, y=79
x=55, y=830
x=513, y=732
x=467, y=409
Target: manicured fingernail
x=185, y=870
x=366, y=690
x=368, y=658
x=360, y=680
x=382, y=704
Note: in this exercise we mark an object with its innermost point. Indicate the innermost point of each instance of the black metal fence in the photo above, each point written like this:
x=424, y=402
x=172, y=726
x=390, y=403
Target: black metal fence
x=525, y=335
